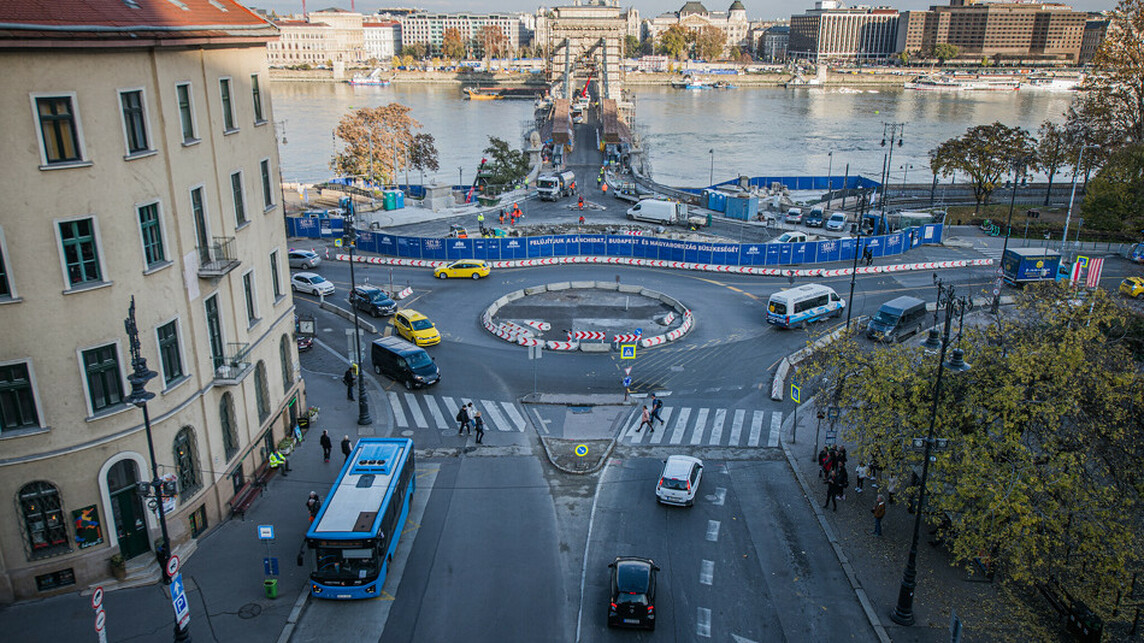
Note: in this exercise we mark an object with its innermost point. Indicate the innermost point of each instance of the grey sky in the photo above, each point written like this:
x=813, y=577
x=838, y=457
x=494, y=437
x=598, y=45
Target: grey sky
x=756, y=9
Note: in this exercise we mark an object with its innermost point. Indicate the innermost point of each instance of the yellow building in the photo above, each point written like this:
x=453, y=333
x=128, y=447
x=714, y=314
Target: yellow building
x=139, y=161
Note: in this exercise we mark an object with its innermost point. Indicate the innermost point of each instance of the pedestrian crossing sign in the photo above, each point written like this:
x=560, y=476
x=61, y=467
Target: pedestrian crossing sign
x=795, y=393
x=627, y=351
x=337, y=243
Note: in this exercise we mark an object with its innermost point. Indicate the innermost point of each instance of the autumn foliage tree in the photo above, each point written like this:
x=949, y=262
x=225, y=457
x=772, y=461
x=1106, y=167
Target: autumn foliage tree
x=985, y=153
x=452, y=44
x=709, y=43
x=494, y=44
x=387, y=131
x=1111, y=98
x=673, y=42
x=1053, y=151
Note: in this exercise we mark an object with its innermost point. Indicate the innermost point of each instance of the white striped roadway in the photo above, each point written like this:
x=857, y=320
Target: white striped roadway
x=704, y=426
x=427, y=411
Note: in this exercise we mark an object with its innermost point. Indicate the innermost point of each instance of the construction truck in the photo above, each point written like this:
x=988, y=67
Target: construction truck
x=553, y=186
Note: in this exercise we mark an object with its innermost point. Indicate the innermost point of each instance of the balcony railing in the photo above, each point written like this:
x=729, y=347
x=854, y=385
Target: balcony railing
x=231, y=368
x=218, y=258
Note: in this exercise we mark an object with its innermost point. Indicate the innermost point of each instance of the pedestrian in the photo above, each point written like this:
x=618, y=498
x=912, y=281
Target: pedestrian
x=832, y=490
x=463, y=418
x=581, y=204
x=278, y=461
x=479, y=425
x=481, y=220
x=645, y=418
x=512, y=219
x=501, y=217
x=843, y=481
x=472, y=412
x=823, y=462
x=581, y=219
x=313, y=504
x=891, y=487
x=860, y=474
x=347, y=447
x=327, y=445
x=840, y=457
x=868, y=256
x=348, y=380
x=879, y=512
x=656, y=408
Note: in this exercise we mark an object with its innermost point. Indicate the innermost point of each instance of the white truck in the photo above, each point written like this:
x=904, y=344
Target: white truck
x=657, y=211
x=794, y=237
x=553, y=186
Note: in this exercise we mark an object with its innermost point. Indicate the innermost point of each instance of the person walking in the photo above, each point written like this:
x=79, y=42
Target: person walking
x=581, y=219
x=891, y=487
x=645, y=418
x=348, y=380
x=313, y=504
x=656, y=409
x=879, y=512
x=463, y=418
x=860, y=474
x=832, y=490
x=347, y=447
x=843, y=482
x=327, y=445
x=501, y=217
x=479, y=426
x=472, y=412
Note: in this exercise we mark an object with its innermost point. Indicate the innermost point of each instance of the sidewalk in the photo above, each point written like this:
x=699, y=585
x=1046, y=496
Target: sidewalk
x=875, y=564
x=224, y=577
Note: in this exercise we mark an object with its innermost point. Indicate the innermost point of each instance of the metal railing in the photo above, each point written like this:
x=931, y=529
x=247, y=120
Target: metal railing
x=218, y=258
x=233, y=365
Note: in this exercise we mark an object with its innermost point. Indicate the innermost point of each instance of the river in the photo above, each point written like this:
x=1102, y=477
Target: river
x=753, y=131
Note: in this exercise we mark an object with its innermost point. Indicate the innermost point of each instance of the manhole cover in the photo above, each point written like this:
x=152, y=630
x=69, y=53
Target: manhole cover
x=250, y=610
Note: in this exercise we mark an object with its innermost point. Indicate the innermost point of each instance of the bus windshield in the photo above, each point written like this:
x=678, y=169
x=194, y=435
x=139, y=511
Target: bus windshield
x=335, y=563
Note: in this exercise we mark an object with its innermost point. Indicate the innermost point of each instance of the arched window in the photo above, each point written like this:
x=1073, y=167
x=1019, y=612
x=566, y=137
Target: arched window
x=187, y=463
x=261, y=392
x=287, y=363
x=226, y=421
x=44, y=522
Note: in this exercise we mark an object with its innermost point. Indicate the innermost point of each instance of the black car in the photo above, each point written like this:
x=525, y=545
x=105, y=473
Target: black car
x=372, y=300
x=633, y=592
x=813, y=220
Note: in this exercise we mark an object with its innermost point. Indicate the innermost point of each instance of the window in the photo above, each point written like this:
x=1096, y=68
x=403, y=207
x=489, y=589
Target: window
x=226, y=420
x=81, y=258
x=17, y=400
x=59, y=130
x=104, y=384
x=287, y=363
x=227, y=107
x=256, y=95
x=261, y=392
x=186, y=115
x=198, y=520
x=134, y=121
x=153, y=253
x=273, y=274
x=7, y=292
x=214, y=331
x=169, y=354
x=44, y=522
x=248, y=291
x=267, y=195
x=187, y=463
x=199, y=214
x=239, y=201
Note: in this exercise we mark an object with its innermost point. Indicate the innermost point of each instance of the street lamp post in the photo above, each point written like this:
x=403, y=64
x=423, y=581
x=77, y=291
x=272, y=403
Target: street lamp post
x=829, y=176
x=350, y=239
x=903, y=613
x=1018, y=166
x=893, y=132
x=138, y=398
x=857, y=245
x=711, y=181
x=1072, y=195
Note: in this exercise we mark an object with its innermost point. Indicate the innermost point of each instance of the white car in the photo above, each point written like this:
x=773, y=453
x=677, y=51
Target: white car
x=679, y=481
x=311, y=282
x=836, y=222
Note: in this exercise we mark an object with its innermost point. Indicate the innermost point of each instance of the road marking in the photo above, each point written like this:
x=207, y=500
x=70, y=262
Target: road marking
x=706, y=572
x=719, y=497
x=541, y=422
x=680, y=425
x=776, y=426
x=717, y=426
x=736, y=428
x=451, y=408
x=415, y=411
x=700, y=425
x=713, y=531
x=398, y=412
x=634, y=431
x=515, y=416
x=741, y=639
x=657, y=438
x=587, y=544
x=435, y=411
x=756, y=429
x=495, y=420
x=703, y=623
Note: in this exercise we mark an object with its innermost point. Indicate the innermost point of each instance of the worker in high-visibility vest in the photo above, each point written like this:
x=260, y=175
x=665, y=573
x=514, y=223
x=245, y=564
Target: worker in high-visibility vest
x=278, y=460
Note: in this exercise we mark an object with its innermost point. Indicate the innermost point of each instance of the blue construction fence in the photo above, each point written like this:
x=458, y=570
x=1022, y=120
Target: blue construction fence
x=795, y=183
x=510, y=248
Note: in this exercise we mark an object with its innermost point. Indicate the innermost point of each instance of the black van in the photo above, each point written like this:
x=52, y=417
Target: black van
x=403, y=362
x=897, y=319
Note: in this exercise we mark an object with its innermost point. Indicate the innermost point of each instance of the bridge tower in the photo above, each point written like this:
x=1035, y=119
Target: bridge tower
x=585, y=42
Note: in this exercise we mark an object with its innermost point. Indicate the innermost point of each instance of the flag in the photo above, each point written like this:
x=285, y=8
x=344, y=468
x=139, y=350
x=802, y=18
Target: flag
x=1094, y=266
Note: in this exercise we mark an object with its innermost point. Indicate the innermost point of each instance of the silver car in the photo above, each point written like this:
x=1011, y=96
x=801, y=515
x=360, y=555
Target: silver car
x=304, y=259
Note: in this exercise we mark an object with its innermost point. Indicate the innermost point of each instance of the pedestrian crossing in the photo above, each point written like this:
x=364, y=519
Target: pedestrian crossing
x=437, y=412
x=703, y=426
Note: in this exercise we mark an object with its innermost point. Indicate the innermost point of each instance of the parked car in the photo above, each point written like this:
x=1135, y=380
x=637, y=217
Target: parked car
x=416, y=327
x=814, y=219
x=679, y=481
x=312, y=283
x=836, y=222
x=304, y=259
x=633, y=592
x=793, y=215
x=372, y=300
x=472, y=268
x=1132, y=287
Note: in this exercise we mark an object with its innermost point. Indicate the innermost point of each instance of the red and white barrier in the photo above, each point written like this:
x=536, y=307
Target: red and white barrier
x=587, y=334
x=562, y=346
x=538, y=325
x=405, y=292
x=626, y=338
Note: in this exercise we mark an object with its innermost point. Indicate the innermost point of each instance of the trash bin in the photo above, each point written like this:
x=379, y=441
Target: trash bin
x=270, y=585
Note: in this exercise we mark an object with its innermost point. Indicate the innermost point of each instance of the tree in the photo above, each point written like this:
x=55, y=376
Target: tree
x=673, y=41
x=392, y=135
x=452, y=45
x=631, y=46
x=1041, y=476
x=506, y=166
x=904, y=57
x=493, y=42
x=1114, y=198
x=1111, y=100
x=423, y=154
x=417, y=51
x=985, y=153
x=709, y=42
x=944, y=51
x=1053, y=151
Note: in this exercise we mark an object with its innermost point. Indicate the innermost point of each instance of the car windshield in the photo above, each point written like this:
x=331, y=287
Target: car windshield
x=421, y=324
x=632, y=581
x=673, y=483
x=778, y=308
x=345, y=564
x=317, y=279
x=378, y=297
x=884, y=318
x=419, y=360
x=837, y=219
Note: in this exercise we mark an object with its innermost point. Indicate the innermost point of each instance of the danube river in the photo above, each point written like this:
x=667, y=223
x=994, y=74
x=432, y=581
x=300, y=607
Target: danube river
x=755, y=131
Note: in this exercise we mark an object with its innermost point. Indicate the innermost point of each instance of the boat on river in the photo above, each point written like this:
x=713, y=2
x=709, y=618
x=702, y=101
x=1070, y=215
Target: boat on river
x=1047, y=81
x=957, y=83
x=691, y=82
x=525, y=92
x=373, y=79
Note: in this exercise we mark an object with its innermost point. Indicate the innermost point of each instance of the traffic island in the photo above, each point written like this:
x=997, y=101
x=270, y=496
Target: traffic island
x=577, y=456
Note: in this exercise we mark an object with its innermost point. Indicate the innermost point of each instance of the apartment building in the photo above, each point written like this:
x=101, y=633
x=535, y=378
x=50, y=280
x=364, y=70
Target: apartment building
x=1017, y=31
x=429, y=29
x=141, y=162
x=1095, y=30
x=382, y=39
x=833, y=32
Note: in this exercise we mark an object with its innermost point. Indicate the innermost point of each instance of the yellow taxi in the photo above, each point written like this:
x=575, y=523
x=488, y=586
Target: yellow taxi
x=471, y=268
x=1132, y=287
x=416, y=327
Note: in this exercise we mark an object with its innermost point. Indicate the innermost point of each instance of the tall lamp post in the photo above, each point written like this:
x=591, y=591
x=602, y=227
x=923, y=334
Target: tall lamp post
x=1019, y=166
x=1072, y=195
x=947, y=298
x=829, y=176
x=158, y=491
x=350, y=239
x=857, y=245
x=712, y=179
x=892, y=132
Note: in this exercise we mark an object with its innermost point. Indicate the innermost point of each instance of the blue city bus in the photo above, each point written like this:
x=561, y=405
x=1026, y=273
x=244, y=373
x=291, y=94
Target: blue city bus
x=355, y=533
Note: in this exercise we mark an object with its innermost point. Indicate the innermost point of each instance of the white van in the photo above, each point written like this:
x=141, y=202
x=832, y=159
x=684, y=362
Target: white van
x=796, y=307
x=657, y=211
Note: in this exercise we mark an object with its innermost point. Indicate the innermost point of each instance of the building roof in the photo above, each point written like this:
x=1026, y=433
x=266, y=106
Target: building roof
x=128, y=22
x=693, y=7
x=390, y=24
x=737, y=6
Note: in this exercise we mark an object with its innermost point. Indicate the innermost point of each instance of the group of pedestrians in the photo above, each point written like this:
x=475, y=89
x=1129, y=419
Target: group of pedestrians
x=650, y=417
x=832, y=470
x=470, y=420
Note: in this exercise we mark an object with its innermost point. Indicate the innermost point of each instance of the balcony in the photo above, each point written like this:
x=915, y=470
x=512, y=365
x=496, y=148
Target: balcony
x=218, y=258
x=231, y=369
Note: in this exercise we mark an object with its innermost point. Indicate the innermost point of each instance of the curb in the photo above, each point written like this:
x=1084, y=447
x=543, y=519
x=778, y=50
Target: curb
x=295, y=615
x=602, y=461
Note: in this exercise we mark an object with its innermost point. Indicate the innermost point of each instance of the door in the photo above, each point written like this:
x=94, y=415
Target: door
x=127, y=509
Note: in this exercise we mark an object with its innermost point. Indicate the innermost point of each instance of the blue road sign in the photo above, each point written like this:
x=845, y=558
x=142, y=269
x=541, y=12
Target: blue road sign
x=627, y=381
x=179, y=601
x=627, y=351
x=270, y=565
x=795, y=393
